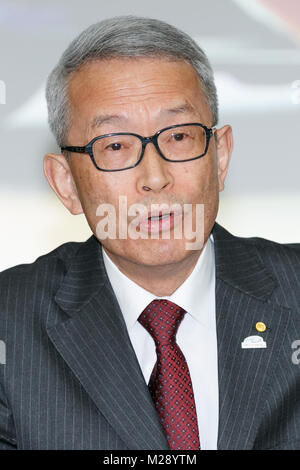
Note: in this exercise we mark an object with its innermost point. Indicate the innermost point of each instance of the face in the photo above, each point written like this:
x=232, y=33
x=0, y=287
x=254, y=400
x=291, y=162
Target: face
x=140, y=96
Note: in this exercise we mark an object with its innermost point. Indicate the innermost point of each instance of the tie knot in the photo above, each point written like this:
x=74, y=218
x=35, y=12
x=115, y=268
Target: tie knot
x=161, y=318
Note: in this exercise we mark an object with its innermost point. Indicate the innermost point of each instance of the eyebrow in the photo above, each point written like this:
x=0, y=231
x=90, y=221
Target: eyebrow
x=106, y=119
x=180, y=109
x=116, y=118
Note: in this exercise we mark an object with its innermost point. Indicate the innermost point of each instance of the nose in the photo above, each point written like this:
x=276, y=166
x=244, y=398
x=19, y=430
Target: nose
x=154, y=173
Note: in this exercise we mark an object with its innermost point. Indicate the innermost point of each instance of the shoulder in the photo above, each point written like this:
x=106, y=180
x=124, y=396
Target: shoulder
x=279, y=257
x=261, y=258
x=268, y=251
x=46, y=271
x=283, y=262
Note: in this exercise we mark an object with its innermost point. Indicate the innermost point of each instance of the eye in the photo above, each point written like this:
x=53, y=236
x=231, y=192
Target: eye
x=179, y=137
x=114, y=146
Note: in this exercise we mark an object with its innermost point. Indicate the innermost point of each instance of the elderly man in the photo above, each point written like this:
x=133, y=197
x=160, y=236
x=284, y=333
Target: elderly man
x=140, y=338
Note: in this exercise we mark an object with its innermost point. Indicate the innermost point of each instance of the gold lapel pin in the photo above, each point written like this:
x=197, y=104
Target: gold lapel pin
x=260, y=326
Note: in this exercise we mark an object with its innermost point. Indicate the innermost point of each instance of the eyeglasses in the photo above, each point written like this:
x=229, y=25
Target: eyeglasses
x=124, y=150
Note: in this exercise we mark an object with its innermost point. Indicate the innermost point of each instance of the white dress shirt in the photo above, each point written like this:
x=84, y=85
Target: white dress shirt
x=196, y=335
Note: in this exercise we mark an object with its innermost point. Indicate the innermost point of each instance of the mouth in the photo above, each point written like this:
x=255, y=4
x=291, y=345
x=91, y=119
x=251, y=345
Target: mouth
x=160, y=222
x=161, y=216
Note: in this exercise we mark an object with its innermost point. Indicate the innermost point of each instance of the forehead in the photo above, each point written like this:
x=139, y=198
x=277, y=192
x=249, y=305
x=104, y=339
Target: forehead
x=135, y=86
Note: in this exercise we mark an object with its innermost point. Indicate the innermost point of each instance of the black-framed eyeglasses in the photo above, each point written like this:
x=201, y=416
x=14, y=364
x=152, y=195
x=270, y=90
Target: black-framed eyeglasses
x=124, y=150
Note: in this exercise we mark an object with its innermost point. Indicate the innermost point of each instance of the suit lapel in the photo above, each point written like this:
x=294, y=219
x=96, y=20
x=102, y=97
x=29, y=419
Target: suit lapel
x=95, y=344
x=243, y=289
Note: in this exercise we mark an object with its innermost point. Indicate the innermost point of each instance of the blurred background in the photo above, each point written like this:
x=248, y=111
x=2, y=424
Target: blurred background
x=254, y=48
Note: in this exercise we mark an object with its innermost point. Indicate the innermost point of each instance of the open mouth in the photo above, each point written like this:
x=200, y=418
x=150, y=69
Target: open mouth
x=160, y=216
x=161, y=222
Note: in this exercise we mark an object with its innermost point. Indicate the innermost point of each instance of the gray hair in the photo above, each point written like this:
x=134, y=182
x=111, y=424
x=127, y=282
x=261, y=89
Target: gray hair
x=124, y=36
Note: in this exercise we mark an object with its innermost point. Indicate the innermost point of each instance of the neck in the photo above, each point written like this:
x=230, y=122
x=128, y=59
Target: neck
x=161, y=280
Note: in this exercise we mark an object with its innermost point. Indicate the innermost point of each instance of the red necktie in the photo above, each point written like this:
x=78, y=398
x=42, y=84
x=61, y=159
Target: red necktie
x=170, y=383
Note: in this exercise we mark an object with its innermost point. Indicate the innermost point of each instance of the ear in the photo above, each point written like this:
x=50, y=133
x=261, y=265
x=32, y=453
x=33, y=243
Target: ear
x=59, y=176
x=224, y=145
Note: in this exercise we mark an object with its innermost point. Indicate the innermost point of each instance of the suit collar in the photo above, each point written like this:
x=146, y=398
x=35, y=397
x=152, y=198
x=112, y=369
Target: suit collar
x=85, y=277
x=238, y=265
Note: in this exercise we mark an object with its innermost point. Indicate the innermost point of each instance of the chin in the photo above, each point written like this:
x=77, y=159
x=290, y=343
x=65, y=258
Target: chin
x=159, y=252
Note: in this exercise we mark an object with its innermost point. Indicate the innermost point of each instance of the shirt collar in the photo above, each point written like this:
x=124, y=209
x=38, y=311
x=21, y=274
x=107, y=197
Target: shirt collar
x=193, y=295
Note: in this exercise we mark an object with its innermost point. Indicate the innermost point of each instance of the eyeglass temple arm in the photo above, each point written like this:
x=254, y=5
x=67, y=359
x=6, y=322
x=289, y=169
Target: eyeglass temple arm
x=75, y=149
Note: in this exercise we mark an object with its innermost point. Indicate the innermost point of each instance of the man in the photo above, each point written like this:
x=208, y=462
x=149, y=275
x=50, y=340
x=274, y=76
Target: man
x=142, y=341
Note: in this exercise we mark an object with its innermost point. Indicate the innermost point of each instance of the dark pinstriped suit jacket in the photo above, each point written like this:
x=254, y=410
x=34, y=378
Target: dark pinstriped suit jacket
x=72, y=380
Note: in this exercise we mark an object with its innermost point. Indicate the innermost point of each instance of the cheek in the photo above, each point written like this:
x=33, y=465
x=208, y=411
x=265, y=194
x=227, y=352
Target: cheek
x=199, y=181
x=87, y=183
x=97, y=188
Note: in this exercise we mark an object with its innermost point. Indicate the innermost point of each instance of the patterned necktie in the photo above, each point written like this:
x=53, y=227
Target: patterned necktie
x=170, y=383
